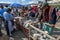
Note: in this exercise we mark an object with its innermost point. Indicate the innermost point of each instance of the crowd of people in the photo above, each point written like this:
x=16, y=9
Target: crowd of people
x=42, y=13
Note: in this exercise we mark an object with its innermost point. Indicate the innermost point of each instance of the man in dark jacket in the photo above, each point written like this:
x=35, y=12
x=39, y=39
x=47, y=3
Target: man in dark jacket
x=48, y=15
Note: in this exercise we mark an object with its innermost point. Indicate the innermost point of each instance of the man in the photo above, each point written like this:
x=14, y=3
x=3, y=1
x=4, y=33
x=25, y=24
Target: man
x=48, y=15
x=31, y=13
x=39, y=10
x=2, y=10
x=9, y=24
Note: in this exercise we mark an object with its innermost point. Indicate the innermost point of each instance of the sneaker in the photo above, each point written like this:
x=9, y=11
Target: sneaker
x=11, y=38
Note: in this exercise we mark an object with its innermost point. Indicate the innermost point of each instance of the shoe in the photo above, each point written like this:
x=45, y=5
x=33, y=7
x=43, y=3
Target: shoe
x=13, y=31
x=11, y=38
x=1, y=34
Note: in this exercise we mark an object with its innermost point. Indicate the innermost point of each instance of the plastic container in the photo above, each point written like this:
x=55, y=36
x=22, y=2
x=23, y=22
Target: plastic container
x=48, y=28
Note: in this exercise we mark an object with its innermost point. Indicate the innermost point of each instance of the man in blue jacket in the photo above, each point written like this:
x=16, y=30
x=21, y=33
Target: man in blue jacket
x=9, y=24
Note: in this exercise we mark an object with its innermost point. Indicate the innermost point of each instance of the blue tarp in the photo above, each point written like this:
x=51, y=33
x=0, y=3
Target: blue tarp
x=15, y=5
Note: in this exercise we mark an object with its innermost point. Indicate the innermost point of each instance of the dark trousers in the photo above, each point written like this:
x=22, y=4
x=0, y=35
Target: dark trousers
x=41, y=25
x=0, y=24
x=7, y=29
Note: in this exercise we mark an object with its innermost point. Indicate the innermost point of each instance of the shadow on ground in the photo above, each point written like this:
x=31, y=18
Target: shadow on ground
x=19, y=35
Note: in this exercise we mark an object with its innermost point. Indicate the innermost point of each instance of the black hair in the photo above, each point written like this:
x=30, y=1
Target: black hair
x=46, y=4
x=6, y=5
x=24, y=8
x=8, y=10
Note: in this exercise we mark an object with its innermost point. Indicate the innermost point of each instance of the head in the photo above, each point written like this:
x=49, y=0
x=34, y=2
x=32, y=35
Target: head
x=6, y=6
x=22, y=14
x=40, y=5
x=46, y=5
x=25, y=10
x=1, y=6
x=8, y=10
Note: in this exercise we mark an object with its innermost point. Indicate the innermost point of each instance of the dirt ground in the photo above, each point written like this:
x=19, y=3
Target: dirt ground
x=19, y=35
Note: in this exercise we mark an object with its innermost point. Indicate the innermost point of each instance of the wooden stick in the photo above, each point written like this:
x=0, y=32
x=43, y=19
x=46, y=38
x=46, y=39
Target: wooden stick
x=42, y=32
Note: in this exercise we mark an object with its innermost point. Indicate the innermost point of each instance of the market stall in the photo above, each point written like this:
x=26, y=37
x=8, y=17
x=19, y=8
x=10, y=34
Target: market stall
x=30, y=30
x=22, y=24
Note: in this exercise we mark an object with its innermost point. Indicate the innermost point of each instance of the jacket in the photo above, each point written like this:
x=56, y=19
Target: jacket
x=48, y=15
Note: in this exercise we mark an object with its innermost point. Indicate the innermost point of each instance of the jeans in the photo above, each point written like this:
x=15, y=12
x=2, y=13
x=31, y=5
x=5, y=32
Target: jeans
x=41, y=25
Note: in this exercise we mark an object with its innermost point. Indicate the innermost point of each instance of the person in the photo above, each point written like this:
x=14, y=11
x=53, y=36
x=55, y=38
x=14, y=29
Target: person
x=39, y=10
x=18, y=21
x=57, y=13
x=31, y=13
x=9, y=24
x=38, y=14
x=2, y=10
x=48, y=15
x=21, y=14
x=15, y=11
x=35, y=9
x=25, y=10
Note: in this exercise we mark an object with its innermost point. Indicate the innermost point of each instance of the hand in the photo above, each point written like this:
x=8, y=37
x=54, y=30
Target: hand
x=14, y=20
x=52, y=25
